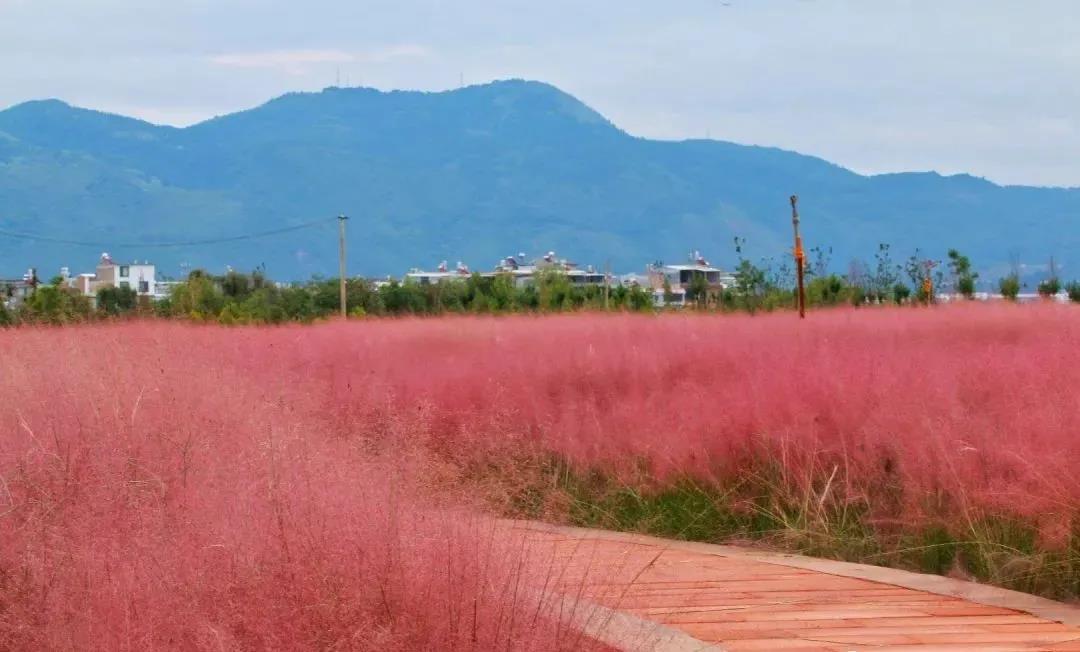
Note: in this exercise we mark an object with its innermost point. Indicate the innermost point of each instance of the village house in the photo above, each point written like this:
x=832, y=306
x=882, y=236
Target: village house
x=671, y=283
x=141, y=277
x=523, y=273
x=15, y=291
x=441, y=273
x=683, y=275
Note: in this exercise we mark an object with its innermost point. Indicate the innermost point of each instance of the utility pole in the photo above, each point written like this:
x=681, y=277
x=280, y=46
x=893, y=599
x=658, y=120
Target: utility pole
x=800, y=258
x=341, y=264
x=928, y=281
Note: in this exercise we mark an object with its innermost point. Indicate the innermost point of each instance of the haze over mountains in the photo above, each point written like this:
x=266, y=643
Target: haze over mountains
x=473, y=175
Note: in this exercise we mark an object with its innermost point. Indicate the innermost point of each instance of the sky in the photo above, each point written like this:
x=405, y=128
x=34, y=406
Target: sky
x=986, y=87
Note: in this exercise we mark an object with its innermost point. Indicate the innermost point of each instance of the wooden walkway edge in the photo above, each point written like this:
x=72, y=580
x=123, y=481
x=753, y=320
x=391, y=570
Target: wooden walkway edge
x=645, y=593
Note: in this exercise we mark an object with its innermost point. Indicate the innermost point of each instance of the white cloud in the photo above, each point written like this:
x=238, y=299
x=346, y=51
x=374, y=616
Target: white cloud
x=983, y=86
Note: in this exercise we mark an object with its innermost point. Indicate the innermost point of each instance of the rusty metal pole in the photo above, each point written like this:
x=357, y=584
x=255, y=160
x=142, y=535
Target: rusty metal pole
x=800, y=258
x=928, y=282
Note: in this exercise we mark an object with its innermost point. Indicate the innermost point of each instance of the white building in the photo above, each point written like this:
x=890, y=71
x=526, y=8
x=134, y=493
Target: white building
x=525, y=273
x=441, y=273
x=141, y=277
x=683, y=275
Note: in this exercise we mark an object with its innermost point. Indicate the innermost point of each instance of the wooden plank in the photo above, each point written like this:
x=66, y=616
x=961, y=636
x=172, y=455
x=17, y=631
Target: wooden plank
x=741, y=603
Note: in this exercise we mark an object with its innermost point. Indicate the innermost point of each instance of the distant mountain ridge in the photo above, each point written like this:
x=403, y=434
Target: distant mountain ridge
x=472, y=174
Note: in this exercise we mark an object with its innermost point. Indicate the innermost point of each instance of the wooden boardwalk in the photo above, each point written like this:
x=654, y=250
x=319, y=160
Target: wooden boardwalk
x=685, y=596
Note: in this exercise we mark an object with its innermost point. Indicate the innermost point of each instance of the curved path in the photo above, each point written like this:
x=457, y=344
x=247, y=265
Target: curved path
x=639, y=592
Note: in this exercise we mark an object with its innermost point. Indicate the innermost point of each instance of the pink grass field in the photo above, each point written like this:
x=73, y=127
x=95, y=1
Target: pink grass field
x=165, y=485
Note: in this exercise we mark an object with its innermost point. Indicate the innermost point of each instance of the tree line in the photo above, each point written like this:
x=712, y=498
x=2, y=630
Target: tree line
x=252, y=298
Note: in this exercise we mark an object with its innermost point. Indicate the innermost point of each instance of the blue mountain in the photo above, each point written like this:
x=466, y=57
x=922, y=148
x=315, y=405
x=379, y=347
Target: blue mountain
x=472, y=174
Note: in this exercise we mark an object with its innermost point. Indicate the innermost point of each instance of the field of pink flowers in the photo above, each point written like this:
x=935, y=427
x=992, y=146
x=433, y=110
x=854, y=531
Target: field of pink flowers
x=172, y=485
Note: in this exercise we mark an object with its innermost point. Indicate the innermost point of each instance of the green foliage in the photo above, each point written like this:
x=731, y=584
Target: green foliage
x=900, y=293
x=55, y=304
x=1010, y=286
x=1050, y=287
x=238, y=298
x=963, y=278
x=749, y=285
x=698, y=292
x=113, y=301
x=886, y=276
x=555, y=291
x=831, y=290
x=198, y=298
x=1073, y=289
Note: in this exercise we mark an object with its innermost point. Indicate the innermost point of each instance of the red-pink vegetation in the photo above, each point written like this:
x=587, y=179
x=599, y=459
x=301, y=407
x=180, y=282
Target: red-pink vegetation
x=155, y=493
x=960, y=406
x=168, y=485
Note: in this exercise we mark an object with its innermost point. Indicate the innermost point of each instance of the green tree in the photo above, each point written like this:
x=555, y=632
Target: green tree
x=886, y=274
x=402, y=298
x=1049, y=287
x=504, y=293
x=1073, y=289
x=196, y=298
x=638, y=299
x=900, y=293
x=555, y=291
x=1010, y=286
x=1052, y=285
x=56, y=304
x=828, y=290
x=235, y=285
x=115, y=301
x=749, y=285
x=963, y=277
x=698, y=292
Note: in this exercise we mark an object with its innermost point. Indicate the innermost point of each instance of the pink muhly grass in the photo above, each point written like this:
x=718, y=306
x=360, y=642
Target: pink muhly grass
x=155, y=495
x=169, y=485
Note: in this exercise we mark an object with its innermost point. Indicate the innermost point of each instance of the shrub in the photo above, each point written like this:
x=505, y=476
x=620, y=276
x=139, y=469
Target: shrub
x=1010, y=287
x=1073, y=289
x=1050, y=287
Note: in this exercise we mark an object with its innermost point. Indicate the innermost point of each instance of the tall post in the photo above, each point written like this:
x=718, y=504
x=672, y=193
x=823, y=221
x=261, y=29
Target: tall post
x=800, y=258
x=928, y=282
x=341, y=265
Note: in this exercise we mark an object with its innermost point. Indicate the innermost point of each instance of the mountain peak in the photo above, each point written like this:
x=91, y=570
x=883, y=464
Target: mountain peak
x=470, y=174
x=517, y=108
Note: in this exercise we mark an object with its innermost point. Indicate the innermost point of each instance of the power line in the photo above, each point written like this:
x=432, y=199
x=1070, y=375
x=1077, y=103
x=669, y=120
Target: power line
x=187, y=243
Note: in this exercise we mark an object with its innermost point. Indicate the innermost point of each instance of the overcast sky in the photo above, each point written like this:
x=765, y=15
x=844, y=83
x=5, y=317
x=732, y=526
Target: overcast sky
x=982, y=86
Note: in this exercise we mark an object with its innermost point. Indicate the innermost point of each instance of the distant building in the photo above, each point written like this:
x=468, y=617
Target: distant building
x=141, y=277
x=13, y=292
x=441, y=273
x=679, y=279
x=675, y=298
x=524, y=274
